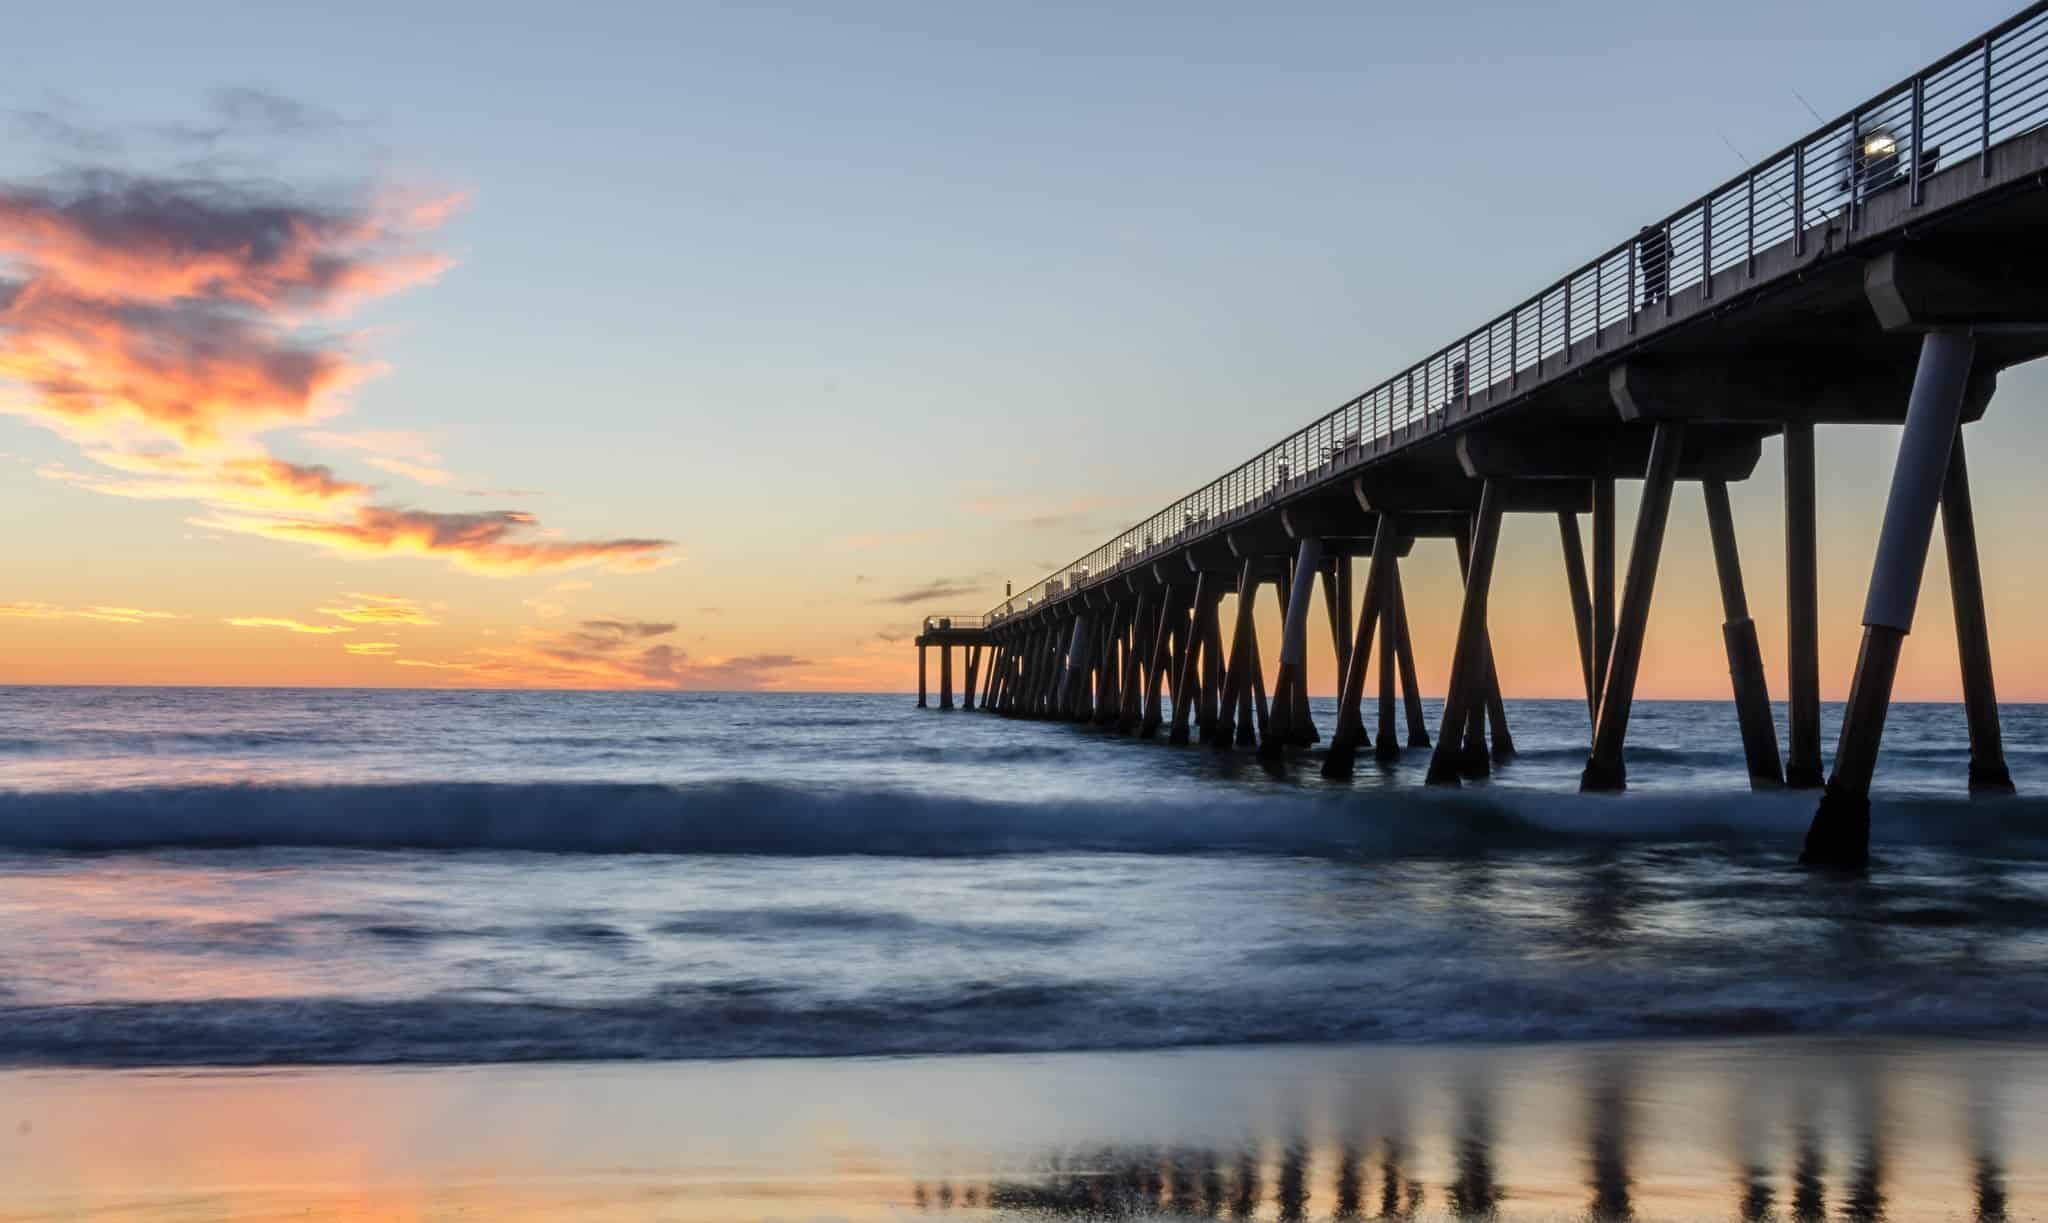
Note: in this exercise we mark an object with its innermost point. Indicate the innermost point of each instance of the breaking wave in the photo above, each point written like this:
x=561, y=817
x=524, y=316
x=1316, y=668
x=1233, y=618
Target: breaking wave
x=766, y=819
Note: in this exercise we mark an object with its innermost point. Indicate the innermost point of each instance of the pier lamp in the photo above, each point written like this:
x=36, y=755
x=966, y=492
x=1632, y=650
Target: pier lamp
x=1875, y=156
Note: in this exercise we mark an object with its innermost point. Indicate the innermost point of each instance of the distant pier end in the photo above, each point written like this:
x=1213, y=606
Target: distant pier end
x=946, y=630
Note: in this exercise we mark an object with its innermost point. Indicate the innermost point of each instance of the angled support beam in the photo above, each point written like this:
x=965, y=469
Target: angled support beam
x=1349, y=734
x=1988, y=774
x=1132, y=706
x=1411, y=690
x=1604, y=768
x=1187, y=675
x=1289, y=700
x=1387, y=748
x=1237, y=680
x=1745, y=658
x=1173, y=602
x=1802, y=611
x=1257, y=728
x=1207, y=711
x=1468, y=659
x=1840, y=833
x=1582, y=604
x=1603, y=582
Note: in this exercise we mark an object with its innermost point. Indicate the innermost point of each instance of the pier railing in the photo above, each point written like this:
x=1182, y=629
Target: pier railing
x=950, y=621
x=1959, y=108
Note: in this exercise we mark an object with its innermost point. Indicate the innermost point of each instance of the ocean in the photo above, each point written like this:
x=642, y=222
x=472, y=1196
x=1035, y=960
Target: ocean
x=238, y=877
x=277, y=954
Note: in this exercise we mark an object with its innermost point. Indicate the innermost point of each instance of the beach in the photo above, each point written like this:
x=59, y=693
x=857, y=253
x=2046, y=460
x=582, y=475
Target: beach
x=1679, y=1130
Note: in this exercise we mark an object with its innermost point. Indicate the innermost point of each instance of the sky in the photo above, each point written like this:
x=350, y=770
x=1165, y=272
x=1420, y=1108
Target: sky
x=712, y=345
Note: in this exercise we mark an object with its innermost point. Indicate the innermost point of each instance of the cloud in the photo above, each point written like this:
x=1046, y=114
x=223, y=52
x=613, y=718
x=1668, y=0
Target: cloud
x=370, y=648
x=438, y=666
x=110, y=615
x=605, y=635
x=380, y=609
x=419, y=473
x=288, y=625
x=164, y=322
x=611, y=654
x=893, y=636
x=401, y=453
x=939, y=590
x=1074, y=514
x=253, y=481
x=495, y=543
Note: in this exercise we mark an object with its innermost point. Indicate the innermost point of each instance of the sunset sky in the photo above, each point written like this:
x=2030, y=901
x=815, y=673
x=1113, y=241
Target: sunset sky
x=709, y=346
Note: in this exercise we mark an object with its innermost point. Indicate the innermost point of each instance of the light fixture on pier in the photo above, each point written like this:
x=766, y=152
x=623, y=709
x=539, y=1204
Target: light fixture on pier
x=1875, y=155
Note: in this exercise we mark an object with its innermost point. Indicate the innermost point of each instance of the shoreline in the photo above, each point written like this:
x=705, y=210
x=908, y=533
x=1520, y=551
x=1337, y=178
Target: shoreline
x=1677, y=1129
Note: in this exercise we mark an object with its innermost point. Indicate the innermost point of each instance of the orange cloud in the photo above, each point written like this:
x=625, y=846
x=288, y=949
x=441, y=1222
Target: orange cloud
x=380, y=609
x=611, y=654
x=371, y=648
x=162, y=324
x=139, y=239
x=110, y=615
x=496, y=543
x=289, y=625
x=254, y=481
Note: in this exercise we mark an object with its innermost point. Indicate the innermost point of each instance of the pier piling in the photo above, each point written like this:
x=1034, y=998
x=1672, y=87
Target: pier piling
x=1802, y=610
x=1840, y=833
x=1605, y=769
x=1988, y=773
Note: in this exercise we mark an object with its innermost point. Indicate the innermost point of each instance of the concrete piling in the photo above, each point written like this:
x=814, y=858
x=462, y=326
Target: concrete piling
x=1745, y=658
x=1802, y=610
x=1349, y=733
x=921, y=702
x=1582, y=604
x=1187, y=680
x=1603, y=583
x=1988, y=773
x=1172, y=601
x=1840, y=833
x=1290, y=701
x=945, y=677
x=1466, y=687
x=1604, y=767
x=1387, y=748
x=1411, y=689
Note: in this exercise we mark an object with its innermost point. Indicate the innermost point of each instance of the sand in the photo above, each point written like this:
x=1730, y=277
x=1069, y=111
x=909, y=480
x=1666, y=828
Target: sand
x=1854, y=1129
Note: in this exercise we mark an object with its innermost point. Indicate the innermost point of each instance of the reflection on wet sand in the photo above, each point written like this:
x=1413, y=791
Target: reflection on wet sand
x=1233, y=1182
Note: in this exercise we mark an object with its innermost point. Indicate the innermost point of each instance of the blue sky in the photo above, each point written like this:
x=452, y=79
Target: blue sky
x=973, y=283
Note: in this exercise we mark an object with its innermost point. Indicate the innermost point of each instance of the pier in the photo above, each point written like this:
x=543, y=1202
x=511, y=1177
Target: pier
x=1881, y=270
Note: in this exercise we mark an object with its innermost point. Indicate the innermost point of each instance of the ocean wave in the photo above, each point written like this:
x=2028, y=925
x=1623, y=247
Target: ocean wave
x=762, y=1019
x=753, y=818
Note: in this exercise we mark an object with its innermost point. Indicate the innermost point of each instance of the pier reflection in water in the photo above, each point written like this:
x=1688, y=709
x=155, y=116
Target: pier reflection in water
x=1812, y=1133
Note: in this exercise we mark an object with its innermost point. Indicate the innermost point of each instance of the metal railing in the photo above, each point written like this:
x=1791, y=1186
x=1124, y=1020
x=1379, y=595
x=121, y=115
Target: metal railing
x=955, y=621
x=1960, y=107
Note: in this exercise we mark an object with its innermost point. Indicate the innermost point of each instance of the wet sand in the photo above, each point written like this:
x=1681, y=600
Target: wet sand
x=1748, y=1129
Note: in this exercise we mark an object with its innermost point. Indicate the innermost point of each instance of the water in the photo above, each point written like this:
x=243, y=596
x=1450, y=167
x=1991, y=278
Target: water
x=252, y=877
